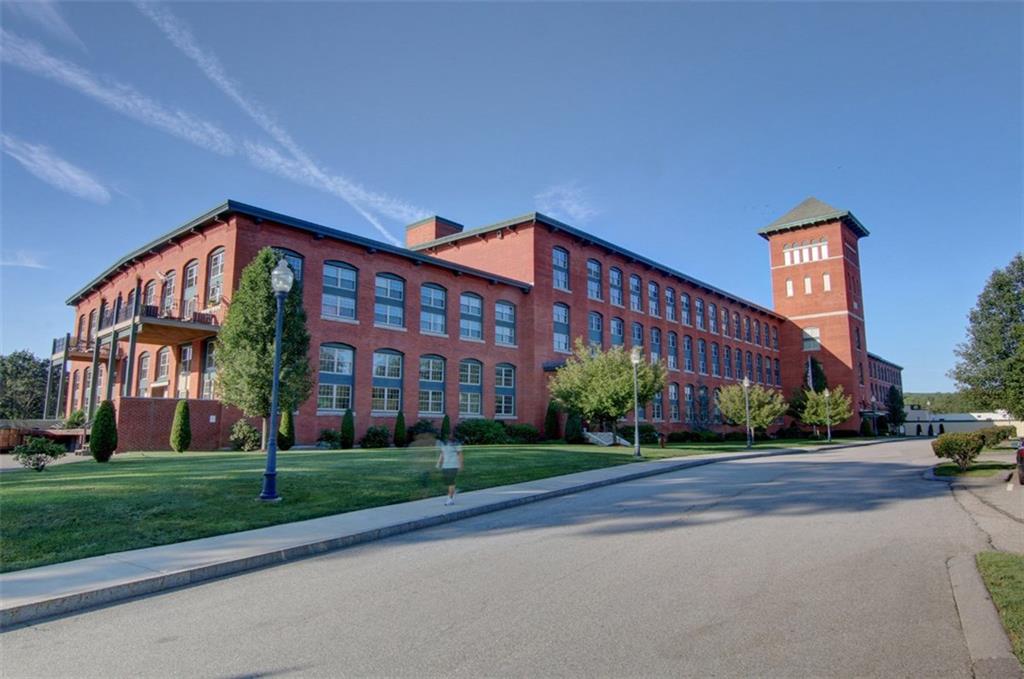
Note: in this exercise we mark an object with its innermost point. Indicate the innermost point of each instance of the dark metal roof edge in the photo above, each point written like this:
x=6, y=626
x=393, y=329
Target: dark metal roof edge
x=859, y=228
x=883, y=360
x=550, y=221
x=312, y=227
x=438, y=218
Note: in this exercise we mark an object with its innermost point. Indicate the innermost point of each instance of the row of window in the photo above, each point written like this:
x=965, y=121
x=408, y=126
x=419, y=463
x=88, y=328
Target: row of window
x=676, y=309
x=826, y=285
x=336, y=381
x=884, y=372
x=806, y=251
x=698, y=407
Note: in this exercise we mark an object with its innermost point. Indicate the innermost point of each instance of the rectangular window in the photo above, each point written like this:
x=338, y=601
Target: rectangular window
x=505, y=323
x=336, y=306
x=807, y=285
x=504, y=405
x=385, y=399
x=471, y=321
x=593, y=279
x=560, y=315
x=387, y=365
x=389, y=304
x=334, y=397
x=826, y=282
x=560, y=268
x=789, y=287
x=635, y=302
x=653, y=299
x=470, y=404
x=431, y=402
x=433, y=302
x=670, y=304
x=615, y=286
x=812, y=339
x=505, y=377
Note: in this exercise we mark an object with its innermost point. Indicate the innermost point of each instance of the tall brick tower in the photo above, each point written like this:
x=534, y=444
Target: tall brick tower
x=816, y=285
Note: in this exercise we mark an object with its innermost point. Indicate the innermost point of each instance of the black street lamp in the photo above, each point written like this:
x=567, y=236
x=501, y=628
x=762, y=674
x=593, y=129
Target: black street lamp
x=828, y=414
x=635, y=359
x=746, y=403
x=281, y=280
x=874, y=417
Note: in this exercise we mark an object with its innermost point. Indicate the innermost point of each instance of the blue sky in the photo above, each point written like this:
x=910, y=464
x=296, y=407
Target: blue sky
x=676, y=130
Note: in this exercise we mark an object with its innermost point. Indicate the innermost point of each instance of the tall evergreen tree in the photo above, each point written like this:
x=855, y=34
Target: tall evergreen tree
x=245, y=345
x=286, y=430
x=103, y=434
x=552, y=425
x=991, y=365
x=446, y=428
x=348, y=430
x=894, y=408
x=181, y=428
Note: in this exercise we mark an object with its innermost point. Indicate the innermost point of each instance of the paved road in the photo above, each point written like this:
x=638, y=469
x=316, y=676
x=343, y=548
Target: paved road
x=830, y=564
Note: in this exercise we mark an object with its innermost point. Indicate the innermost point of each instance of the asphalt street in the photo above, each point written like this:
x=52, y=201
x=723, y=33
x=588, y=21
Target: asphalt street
x=829, y=564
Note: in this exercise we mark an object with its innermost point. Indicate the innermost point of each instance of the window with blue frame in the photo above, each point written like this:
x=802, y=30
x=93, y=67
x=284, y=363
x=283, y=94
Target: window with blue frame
x=713, y=318
x=670, y=304
x=750, y=366
x=702, y=357
x=504, y=390
x=736, y=331
x=335, y=377
x=673, y=350
x=209, y=370
x=684, y=302
x=615, y=286
x=725, y=322
x=739, y=364
x=386, y=392
x=673, y=402
x=658, y=406
x=471, y=388
x=698, y=310
x=433, y=309
x=389, y=301
x=716, y=412
x=687, y=353
x=775, y=338
x=747, y=335
x=704, y=403
x=655, y=345
x=635, y=292
x=505, y=323
x=594, y=279
x=214, y=277
x=618, y=332
x=294, y=261
x=471, y=317
x=432, y=378
x=560, y=327
x=560, y=268
x=338, y=300
x=688, y=402
x=653, y=299
x=638, y=335
x=716, y=365
x=727, y=362
x=595, y=329
x=760, y=369
x=778, y=375
x=757, y=332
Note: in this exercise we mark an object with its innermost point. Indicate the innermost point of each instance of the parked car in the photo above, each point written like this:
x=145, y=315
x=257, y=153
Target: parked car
x=1020, y=461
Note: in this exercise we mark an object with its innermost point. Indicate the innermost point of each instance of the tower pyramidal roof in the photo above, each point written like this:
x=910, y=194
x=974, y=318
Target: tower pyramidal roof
x=813, y=211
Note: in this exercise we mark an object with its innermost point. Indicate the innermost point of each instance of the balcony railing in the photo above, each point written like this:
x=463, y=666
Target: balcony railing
x=77, y=345
x=172, y=313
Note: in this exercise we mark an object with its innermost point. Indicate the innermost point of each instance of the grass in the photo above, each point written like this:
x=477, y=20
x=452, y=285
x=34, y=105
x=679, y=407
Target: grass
x=975, y=469
x=139, y=500
x=1003, y=573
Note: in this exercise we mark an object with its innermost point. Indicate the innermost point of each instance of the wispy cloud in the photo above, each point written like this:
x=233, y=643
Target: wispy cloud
x=297, y=164
x=47, y=15
x=568, y=201
x=54, y=170
x=32, y=57
x=21, y=258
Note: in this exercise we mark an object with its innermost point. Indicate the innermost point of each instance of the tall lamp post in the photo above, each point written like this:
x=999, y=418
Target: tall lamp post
x=828, y=414
x=281, y=280
x=746, y=403
x=874, y=417
x=635, y=358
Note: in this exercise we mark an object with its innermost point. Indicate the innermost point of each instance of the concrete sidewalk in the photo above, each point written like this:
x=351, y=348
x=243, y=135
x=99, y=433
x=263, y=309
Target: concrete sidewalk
x=37, y=593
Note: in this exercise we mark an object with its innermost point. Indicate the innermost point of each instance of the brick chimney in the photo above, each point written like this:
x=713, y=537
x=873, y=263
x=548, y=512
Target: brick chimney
x=430, y=229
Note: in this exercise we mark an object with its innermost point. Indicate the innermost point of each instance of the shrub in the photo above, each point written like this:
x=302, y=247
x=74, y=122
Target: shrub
x=522, y=433
x=552, y=430
x=181, y=428
x=446, y=429
x=330, y=438
x=648, y=434
x=709, y=436
x=481, y=432
x=735, y=436
x=961, y=448
x=286, y=430
x=421, y=427
x=38, y=452
x=347, y=435
x=845, y=433
x=103, y=435
x=377, y=436
x=993, y=436
x=865, y=427
x=401, y=436
x=245, y=437
x=574, y=428
x=680, y=436
x=75, y=420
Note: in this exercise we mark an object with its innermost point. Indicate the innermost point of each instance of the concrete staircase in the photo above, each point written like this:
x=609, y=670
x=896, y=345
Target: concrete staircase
x=605, y=438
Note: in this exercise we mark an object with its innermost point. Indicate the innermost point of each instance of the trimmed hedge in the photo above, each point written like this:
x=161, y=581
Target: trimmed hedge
x=993, y=436
x=961, y=448
x=181, y=428
x=377, y=436
x=330, y=438
x=103, y=435
x=481, y=432
x=401, y=435
x=286, y=431
x=522, y=433
x=446, y=429
x=552, y=429
x=347, y=435
x=648, y=434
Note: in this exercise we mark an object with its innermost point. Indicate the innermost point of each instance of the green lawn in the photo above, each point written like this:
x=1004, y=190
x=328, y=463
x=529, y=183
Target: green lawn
x=138, y=500
x=976, y=469
x=1003, y=573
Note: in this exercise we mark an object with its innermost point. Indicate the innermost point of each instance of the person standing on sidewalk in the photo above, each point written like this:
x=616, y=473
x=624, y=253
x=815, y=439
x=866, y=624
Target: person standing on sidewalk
x=449, y=461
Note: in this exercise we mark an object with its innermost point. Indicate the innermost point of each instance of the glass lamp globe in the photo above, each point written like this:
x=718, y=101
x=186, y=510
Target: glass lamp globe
x=282, y=278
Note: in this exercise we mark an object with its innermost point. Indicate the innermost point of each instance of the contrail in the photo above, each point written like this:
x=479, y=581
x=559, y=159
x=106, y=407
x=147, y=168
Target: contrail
x=47, y=166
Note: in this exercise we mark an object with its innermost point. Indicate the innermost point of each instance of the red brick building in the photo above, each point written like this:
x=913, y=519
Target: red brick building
x=463, y=322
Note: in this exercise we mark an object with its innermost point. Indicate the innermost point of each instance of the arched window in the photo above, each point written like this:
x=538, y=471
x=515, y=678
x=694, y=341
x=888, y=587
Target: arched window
x=560, y=268
x=335, y=378
x=215, y=277
x=746, y=329
x=737, y=332
x=688, y=402
x=638, y=335
x=594, y=279
x=655, y=345
x=673, y=402
x=658, y=406
x=615, y=286
x=471, y=317
x=673, y=350
x=684, y=301
x=704, y=401
x=716, y=411
x=727, y=361
x=750, y=366
x=698, y=307
x=294, y=260
x=739, y=364
x=87, y=390
x=702, y=357
x=688, y=353
x=670, y=304
x=167, y=294
x=163, y=365
x=142, y=386
x=389, y=301
x=635, y=292
x=94, y=324
x=560, y=327
x=471, y=388
x=74, y=391
x=505, y=323
x=433, y=309
x=725, y=322
x=618, y=332
x=716, y=370
x=595, y=329
x=149, y=296
x=209, y=370
x=504, y=390
x=757, y=332
x=338, y=299
x=432, y=381
x=81, y=328
x=775, y=338
x=653, y=299
x=760, y=369
x=190, y=289
x=713, y=318
x=386, y=391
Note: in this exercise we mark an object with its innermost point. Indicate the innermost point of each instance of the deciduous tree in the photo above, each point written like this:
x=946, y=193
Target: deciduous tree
x=22, y=385
x=827, y=411
x=766, y=406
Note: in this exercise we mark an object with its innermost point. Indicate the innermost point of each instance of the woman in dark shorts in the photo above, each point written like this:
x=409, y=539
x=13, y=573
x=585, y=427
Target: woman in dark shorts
x=449, y=461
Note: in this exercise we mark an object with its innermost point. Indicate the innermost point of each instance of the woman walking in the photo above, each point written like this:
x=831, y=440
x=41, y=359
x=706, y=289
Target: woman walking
x=449, y=461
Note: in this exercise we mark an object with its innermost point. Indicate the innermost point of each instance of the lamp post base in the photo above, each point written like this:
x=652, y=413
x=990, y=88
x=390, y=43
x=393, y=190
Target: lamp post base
x=269, y=492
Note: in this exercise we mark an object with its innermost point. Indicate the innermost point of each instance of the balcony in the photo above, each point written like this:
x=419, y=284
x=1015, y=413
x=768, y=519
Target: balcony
x=78, y=348
x=169, y=325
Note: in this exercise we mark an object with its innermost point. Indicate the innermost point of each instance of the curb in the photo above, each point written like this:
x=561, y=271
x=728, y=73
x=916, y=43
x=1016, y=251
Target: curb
x=78, y=601
x=987, y=642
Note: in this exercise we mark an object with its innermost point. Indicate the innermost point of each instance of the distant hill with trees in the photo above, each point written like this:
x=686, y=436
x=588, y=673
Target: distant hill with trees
x=942, y=401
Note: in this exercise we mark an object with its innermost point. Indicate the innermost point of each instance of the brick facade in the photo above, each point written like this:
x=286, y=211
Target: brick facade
x=511, y=262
